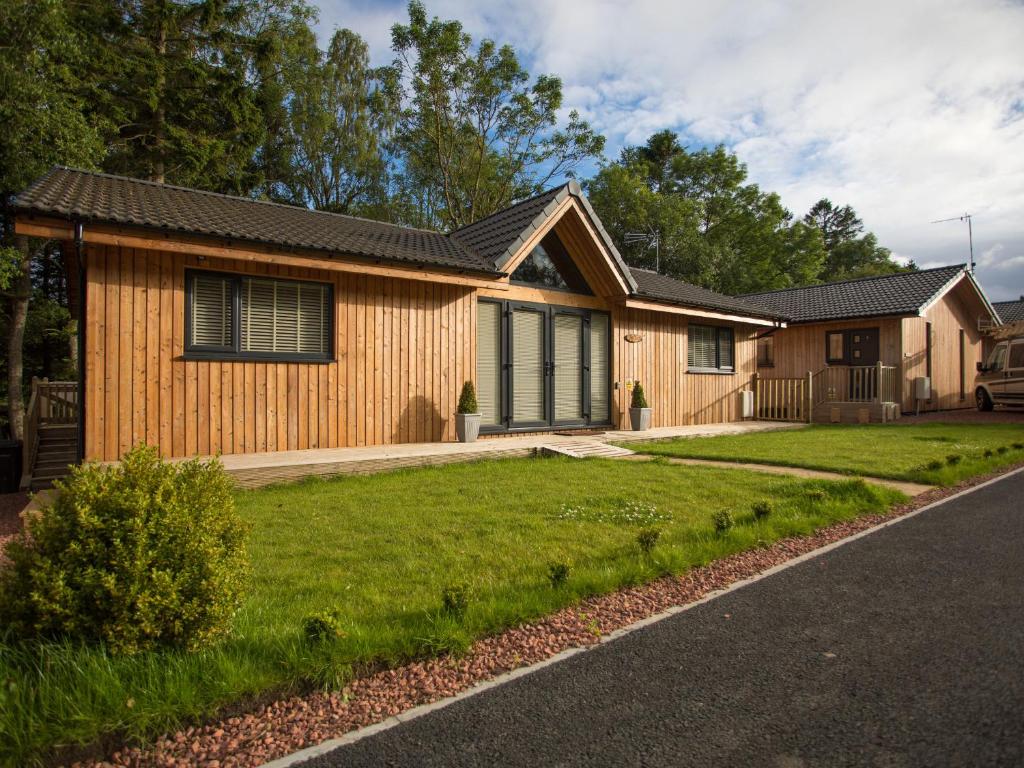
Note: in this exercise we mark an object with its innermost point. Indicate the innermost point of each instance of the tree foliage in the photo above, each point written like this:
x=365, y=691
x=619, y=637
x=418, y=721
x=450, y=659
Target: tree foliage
x=474, y=133
x=715, y=228
x=849, y=251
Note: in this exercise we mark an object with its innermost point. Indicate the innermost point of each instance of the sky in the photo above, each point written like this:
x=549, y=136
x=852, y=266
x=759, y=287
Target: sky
x=909, y=111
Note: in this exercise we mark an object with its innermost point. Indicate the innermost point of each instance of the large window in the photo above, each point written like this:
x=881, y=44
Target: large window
x=257, y=318
x=710, y=349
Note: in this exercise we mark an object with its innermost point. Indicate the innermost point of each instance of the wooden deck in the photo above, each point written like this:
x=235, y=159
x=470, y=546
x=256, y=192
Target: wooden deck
x=259, y=469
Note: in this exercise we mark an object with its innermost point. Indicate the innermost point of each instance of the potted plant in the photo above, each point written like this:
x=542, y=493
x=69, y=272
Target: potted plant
x=639, y=412
x=467, y=416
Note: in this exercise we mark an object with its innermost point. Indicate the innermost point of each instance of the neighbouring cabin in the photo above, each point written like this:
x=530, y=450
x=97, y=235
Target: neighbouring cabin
x=219, y=325
x=867, y=342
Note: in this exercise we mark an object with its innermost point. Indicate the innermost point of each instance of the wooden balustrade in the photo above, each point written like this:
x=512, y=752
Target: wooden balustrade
x=782, y=399
x=51, y=403
x=793, y=399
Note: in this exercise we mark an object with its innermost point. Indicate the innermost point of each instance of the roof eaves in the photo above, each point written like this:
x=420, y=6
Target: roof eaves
x=942, y=291
x=755, y=312
x=577, y=191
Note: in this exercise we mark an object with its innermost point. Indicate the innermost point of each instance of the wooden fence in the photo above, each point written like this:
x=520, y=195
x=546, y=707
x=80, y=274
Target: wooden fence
x=783, y=399
x=856, y=384
x=51, y=402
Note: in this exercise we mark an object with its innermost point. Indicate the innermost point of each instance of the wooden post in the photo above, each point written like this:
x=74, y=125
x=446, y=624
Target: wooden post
x=878, y=384
x=810, y=397
x=754, y=388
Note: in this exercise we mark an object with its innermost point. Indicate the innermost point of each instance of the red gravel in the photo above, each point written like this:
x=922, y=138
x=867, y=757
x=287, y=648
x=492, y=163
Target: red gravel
x=282, y=727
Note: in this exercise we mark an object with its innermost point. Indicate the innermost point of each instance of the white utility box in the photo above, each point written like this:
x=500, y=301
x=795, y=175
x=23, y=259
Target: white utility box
x=923, y=388
x=747, y=403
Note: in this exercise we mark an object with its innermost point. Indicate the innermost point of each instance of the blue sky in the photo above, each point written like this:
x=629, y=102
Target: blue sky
x=909, y=111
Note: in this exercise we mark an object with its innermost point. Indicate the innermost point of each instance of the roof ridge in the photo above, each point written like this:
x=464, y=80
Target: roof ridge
x=959, y=267
x=240, y=198
x=507, y=209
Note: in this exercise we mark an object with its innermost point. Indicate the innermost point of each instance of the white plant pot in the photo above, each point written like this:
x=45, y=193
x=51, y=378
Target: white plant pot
x=640, y=418
x=467, y=426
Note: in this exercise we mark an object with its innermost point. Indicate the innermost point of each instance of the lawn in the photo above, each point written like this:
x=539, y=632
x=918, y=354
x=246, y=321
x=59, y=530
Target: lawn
x=380, y=550
x=937, y=454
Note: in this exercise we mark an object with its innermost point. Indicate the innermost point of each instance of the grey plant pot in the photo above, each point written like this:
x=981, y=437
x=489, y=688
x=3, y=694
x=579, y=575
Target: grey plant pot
x=640, y=418
x=467, y=426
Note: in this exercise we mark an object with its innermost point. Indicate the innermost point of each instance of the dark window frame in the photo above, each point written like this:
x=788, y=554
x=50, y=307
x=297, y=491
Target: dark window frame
x=718, y=369
x=235, y=352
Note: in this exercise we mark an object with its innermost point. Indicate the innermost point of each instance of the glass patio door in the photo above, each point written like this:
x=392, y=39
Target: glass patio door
x=567, y=367
x=529, y=367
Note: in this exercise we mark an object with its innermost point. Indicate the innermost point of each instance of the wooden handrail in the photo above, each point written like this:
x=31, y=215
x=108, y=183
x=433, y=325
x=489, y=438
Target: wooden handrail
x=855, y=384
x=30, y=441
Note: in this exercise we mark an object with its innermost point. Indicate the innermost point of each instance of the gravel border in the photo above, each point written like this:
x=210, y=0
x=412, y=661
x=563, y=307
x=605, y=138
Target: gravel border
x=276, y=729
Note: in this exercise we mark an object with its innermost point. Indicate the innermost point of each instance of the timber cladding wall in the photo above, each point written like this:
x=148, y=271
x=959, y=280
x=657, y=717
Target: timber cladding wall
x=658, y=361
x=800, y=349
x=403, y=349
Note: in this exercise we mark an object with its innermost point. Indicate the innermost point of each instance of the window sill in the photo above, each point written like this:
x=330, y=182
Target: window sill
x=711, y=371
x=215, y=357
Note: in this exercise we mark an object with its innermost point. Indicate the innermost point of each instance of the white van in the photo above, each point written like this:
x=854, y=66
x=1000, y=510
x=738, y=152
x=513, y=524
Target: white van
x=1001, y=377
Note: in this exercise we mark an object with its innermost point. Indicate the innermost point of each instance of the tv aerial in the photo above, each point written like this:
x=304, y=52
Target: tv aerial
x=651, y=239
x=970, y=232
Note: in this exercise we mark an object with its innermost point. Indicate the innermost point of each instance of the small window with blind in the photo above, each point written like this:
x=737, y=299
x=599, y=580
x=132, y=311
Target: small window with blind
x=257, y=318
x=710, y=349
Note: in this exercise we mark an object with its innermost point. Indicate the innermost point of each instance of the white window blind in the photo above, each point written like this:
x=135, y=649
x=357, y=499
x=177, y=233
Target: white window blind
x=285, y=316
x=568, y=332
x=528, y=366
x=725, y=361
x=488, y=361
x=211, y=311
x=700, y=351
x=599, y=360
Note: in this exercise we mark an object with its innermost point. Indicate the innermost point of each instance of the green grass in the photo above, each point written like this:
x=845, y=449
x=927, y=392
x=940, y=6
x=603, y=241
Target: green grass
x=380, y=550
x=918, y=453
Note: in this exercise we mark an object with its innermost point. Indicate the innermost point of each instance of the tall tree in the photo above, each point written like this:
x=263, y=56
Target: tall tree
x=43, y=124
x=475, y=134
x=716, y=228
x=177, y=78
x=340, y=114
x=850, y=252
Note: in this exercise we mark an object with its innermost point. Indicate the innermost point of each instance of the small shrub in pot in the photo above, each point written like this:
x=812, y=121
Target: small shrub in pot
x=639, y=411
x=467, y=416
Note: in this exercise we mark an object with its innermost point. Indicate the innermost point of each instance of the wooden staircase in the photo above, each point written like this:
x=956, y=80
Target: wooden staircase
x=56, y=453
x=51, y=433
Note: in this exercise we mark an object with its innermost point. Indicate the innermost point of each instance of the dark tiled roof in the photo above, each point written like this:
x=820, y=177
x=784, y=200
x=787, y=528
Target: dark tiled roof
x=663, y=288
x=493, y=236
x=1010, y=311
x=904, y=293
x=115, y=199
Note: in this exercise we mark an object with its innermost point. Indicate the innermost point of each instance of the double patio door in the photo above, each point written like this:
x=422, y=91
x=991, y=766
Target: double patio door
x=556, y=367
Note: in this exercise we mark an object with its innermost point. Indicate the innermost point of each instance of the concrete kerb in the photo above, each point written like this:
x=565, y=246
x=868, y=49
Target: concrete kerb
x=357, y=735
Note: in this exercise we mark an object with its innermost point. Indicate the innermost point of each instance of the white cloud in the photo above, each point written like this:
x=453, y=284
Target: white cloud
x=909, y=111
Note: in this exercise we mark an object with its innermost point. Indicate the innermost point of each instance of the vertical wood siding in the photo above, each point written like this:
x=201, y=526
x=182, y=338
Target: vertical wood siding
x=658, y=361
x=801, y=348
x=952, y=312
x=402, y=349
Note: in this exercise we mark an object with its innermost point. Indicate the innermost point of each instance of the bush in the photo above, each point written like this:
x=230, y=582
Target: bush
x=953, y=458
x=1017, y=446
x=639, y=398
x=467, y=399
x=647, y=539
x=455, y=599
x=933, y=464
x=1001, y=450
x=988, y=453
x=558, y=574
x=323, y=627
x=761, y=509
x=722, y=520
x=138, y=555
x=816, y=495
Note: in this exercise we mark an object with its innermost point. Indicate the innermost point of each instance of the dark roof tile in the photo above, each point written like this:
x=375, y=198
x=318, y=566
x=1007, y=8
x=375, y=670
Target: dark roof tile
x=663, y=288
x=904, y=293
x=1010, y=311
x=100, y=197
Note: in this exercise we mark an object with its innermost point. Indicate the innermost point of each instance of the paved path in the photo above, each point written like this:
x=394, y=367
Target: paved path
x=902, y=648
x=910, y=489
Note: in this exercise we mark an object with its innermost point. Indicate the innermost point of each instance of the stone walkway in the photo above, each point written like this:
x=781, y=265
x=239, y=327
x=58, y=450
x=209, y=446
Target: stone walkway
x=909, y=489
x=257, y=469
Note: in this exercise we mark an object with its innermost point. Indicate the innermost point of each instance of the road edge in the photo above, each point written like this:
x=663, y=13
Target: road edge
x=359, y=734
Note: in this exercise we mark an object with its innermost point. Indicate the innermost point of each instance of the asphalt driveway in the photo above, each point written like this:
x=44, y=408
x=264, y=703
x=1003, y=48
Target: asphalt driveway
x=904, y=648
